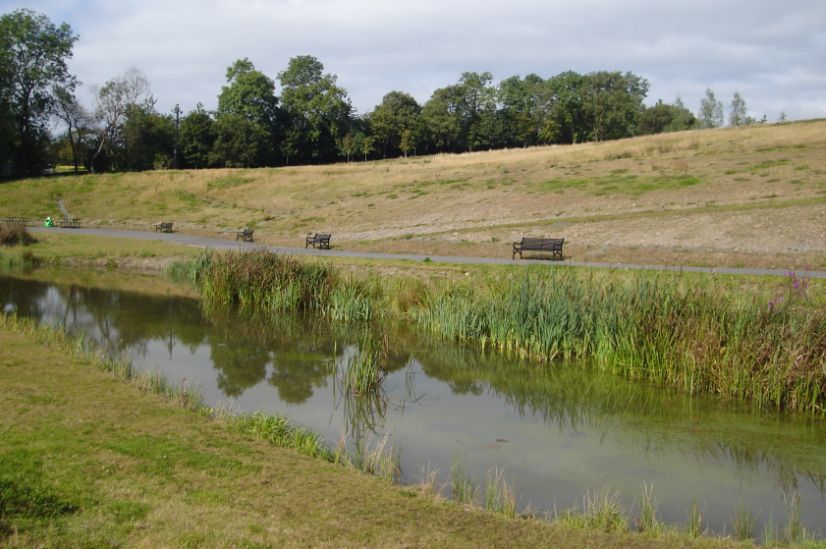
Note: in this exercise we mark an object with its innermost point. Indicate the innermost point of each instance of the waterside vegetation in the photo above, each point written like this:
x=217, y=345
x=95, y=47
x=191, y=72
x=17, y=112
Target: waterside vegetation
x=767, y=349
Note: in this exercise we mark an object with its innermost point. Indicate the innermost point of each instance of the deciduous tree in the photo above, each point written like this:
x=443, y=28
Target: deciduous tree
x=114, y=99
x=711, y=111
x=318, y=110
x=33, y=55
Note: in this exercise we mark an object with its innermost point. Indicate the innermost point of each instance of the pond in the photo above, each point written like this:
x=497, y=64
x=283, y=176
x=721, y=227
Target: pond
x=558, y=431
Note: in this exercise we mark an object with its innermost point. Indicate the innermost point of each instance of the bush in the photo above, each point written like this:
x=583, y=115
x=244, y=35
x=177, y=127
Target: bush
x=12, y=234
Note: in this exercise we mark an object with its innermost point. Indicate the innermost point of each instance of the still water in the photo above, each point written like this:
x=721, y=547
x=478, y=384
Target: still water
x=557, y=431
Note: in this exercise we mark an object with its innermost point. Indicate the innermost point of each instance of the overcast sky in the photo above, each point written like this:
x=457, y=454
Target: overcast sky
x=772, y=51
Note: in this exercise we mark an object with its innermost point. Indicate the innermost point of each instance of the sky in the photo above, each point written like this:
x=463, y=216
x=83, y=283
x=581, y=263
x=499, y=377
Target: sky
x=772, y=51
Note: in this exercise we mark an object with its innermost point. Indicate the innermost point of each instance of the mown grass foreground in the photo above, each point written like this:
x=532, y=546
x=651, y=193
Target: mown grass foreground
x=688, y=333
x=89, y=460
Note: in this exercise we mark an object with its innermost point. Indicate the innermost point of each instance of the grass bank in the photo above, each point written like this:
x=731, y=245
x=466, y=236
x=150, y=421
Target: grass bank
x=89, y=460
x=752, y=196
x=767, y=348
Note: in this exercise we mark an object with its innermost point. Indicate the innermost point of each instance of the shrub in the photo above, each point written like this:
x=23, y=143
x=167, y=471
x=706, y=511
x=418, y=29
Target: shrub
x=12, y=234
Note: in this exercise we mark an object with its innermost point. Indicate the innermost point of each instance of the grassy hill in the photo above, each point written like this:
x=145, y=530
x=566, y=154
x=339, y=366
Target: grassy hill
x=744, y=196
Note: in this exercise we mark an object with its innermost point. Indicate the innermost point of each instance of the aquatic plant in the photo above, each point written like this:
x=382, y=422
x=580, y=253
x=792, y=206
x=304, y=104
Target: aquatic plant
x=694, y=338
x=655, y=327
x=499, y=495
x=695, y=520
x=279, y=431
x=462, y=488
x=648, y=521
x=743, y=523
x=601, y=511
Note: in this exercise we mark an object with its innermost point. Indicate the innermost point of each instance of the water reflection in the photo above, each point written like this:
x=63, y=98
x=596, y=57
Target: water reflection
x=558, y=429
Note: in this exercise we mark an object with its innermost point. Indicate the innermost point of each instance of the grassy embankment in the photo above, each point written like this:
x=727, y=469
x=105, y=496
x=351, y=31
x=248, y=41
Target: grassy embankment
x=752, y=196
x=88, y=461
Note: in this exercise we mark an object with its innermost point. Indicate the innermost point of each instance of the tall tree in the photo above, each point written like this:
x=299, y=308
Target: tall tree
x=566, y=119
x=398, y=113
x=525, y=105
x=738, y=115
x=114, y=99
x=197, y=138
x=613, y=102
x=318, y=110
x=479, y=116
x=146, y=139
x=239, y=142
x=711, y=111
x=77, y=120
x=250, y=94
x=442, y=119
x=33, y=55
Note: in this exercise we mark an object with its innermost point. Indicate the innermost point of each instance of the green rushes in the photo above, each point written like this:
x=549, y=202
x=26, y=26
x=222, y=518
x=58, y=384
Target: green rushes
x=695, y=339
x=691, y=334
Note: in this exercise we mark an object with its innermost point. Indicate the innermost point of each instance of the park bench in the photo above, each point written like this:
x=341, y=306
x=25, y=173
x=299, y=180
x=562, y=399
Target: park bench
x=244, y=234
x=551, y=245
x=164, y=227
x=318, y=240
x=69, y=223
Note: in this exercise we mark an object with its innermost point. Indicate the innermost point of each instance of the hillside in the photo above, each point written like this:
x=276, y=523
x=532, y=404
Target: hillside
x=744, y=196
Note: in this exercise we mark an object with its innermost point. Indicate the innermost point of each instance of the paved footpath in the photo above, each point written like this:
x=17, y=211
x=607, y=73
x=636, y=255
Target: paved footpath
x=227, y=244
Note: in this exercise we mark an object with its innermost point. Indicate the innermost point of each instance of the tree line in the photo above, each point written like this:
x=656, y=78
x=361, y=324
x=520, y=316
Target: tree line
x=311, y=121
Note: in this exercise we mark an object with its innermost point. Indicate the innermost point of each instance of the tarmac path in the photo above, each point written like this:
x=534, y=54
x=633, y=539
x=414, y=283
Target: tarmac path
x=227, y=244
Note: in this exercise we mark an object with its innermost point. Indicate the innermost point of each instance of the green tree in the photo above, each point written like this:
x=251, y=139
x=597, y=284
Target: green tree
x=398, y=113
x=565, y=119
x=525, y=103
x=442, y=120
x=711, y=111
x=613, y=102
x=197, y=138
x=146, y=139
x=318, y=110
x=250, y=94
x=479, y=116
x=738, y=114
x=663, y=117
x=239, y=142
x=368, y=145
x=33, y=55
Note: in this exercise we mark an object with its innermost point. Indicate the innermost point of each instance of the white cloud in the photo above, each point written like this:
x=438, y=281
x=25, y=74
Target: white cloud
x=771, y=52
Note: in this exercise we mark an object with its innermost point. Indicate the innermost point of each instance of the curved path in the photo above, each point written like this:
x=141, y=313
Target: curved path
x=225, y=244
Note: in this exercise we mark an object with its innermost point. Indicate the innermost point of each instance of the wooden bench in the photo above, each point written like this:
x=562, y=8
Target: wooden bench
x=318, y=240
x=244, y=234
x=69, y=223
x=552, y=245
x=164, y=227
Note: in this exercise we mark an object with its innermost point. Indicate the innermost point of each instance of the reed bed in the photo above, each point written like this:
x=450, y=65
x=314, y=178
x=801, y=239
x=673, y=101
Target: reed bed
x=772, y=353
x=260, y=282
x=699, y=338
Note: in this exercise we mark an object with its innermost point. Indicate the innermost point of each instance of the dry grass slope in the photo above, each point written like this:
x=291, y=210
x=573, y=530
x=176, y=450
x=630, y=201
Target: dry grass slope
x=745, y=196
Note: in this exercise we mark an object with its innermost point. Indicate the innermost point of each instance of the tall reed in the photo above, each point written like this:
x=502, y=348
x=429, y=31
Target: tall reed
x=658, y=328
x=695, y=338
